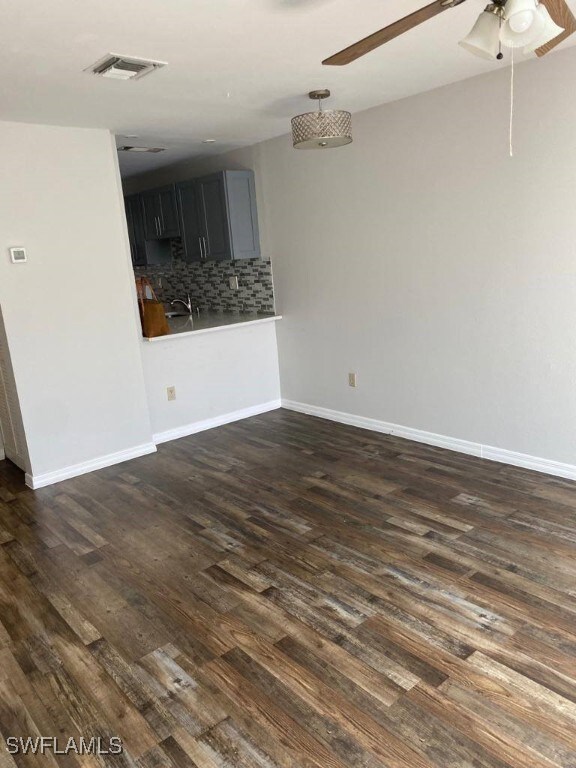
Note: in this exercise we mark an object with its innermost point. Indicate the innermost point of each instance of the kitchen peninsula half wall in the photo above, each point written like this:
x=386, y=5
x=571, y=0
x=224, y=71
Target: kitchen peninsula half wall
x=197, y=242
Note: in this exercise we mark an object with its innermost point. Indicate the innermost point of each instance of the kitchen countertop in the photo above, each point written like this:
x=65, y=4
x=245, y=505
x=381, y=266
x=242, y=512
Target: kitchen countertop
x=210, y=321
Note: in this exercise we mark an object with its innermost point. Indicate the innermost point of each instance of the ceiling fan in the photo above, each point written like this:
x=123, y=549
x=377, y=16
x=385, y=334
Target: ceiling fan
x=526, y=24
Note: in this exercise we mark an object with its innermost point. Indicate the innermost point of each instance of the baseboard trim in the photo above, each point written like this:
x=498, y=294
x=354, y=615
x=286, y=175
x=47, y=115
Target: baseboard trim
x=502, y=455
x=217, y=421
x=49, y=478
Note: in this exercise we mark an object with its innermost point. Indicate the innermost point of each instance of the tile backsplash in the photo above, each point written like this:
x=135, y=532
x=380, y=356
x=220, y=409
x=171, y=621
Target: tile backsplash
x=208, y=283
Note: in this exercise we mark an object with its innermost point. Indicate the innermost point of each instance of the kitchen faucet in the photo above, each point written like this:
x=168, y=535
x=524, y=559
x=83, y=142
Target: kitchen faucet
x=187, y=303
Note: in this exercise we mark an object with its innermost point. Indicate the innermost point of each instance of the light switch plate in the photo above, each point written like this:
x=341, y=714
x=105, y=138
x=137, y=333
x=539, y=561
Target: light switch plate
x=233, y=283
x=18, y=255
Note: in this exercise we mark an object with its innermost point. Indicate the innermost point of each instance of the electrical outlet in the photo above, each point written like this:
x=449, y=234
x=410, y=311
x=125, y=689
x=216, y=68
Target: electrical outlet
x=352, y=380
x=233, y=283
x=171, y=392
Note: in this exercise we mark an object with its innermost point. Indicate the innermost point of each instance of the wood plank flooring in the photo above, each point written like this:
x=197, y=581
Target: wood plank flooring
x=286, y=592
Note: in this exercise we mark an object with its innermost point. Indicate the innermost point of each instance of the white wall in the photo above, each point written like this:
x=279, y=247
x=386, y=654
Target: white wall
x=431, y=263
x=69, y=312
x=434, y=265
x=217, y=375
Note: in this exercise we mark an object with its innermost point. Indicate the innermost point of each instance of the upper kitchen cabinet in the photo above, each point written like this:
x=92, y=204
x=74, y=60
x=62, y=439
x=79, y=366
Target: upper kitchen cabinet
x=160, y=213
x=135, y=220
x=219, y=217
x=242, y=214
x=144, y=252
x=214, y=217
x=190, y=225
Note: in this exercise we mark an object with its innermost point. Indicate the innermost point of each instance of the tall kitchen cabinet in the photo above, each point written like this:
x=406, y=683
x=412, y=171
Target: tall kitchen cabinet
x=218, y=217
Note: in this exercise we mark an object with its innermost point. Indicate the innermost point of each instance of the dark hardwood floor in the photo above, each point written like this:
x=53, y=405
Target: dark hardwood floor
x=290, y=592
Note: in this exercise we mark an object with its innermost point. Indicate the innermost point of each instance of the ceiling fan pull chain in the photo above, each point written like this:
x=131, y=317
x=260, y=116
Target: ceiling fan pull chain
x=511, y=102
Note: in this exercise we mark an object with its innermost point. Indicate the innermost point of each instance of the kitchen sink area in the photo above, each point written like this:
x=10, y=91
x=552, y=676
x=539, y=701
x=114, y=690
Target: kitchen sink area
x=186, y=324
x=197, y=244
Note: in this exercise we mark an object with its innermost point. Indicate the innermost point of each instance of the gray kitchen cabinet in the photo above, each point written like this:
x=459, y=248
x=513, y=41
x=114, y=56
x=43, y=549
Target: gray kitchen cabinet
x=161, y=218
x=190, y=225
x=144, y=252
x=135, y=220
x=242, y=214
x=218, y=217
x=151, y=211
x=169, y=211
x=214, y=217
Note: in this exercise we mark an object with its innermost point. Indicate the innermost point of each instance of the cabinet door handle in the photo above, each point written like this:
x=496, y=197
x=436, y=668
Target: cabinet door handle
x=159, y=226
x=201, y=251
x=205, y=248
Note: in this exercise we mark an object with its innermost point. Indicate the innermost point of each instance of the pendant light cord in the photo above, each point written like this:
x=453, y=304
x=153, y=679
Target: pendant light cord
x=512, y=103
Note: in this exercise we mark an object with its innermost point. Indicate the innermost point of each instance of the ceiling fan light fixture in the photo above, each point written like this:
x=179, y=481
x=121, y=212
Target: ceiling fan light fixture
x=484, y=38
x=520, y=14
x=322, y=129
x=549, y=30
x=512, y=39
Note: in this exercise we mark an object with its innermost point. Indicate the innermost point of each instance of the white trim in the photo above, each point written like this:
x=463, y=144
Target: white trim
x=49, y=478
x=212, y=329
x=217, y=421
x=536, y=463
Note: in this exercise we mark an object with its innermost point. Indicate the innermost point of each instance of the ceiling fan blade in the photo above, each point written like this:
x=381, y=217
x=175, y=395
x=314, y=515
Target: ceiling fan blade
x=377, y=39
x=564, y=17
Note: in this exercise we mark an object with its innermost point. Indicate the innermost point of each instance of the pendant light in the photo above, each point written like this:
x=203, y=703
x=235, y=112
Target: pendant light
x=322, y=129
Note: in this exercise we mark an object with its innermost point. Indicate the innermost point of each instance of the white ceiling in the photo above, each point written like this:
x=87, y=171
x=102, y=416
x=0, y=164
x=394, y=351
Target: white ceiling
x=237, y=69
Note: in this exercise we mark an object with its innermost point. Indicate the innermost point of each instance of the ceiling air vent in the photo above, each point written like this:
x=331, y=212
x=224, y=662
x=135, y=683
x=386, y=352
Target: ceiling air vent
x=141, y=149
x=124, y=67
